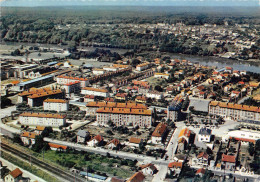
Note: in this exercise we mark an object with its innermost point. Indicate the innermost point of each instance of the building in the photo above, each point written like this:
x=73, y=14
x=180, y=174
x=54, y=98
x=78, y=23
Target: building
x=245, y=136
x=148, y=169
x=135, y=142
x=141, y=99
x=159, y=133
x=42, y=119
x=162, y=75
x=174, y=109
x=115, y=143
x=56, y=105
x=55, y=147
x=72, y=87
x=125, y=117
x=200, y=172
x=154, y=95
x=82, y=136
x=23, y=96
x=97, y=71
x=14, y=176
x=39, y=130
x=89, y=98
x=229, y=161
x=143, y=66
x=62, y=80
x=97, y=140
x=137, y=177
x=201, y=160
x=28, y=138
x=174, y=168
x=95, y=92
x=234, y=111
x=121, y=96
x=183, y=139
x=92, y=107
x=204, y=135
x=44, y=80
x=35, y=100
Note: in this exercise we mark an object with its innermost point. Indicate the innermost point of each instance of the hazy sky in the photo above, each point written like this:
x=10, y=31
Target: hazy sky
x=255, y=3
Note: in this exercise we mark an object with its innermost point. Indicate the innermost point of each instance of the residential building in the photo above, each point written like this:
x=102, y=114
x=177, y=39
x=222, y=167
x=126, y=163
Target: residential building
x=62, y=80
x=121, y=96
x=137, y=177
x=245, y=136
x=125, y=116
x=174, y=168
x=55, y=147
x=229, y=161
x=72, y=87
x=82, y=136
x=14, y=176
x=201, y=160
x=56, y=105
x=141, y=99
x=97, y=140
x=234, y=111
x=135, y=142
x=143, y=66
x=35, y=100
x=148, y=169
x=28, y=138
x=115, y=143
x=23, y=96
x=42, y=119
x=200, y=172
x=183, y=139
x=162, y=75
x=39, y=130
x=159, y=133
x=89, y=98
x=154, y=95
x=204, y=135
x=95, y=92
x=97, y=71
x=174, y=109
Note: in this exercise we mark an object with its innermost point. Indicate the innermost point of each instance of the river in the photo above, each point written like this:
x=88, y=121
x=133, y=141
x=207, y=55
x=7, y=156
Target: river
x=207, y=61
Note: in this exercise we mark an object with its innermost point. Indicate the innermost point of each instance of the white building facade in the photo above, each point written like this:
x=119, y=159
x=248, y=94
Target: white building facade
x=56, y=105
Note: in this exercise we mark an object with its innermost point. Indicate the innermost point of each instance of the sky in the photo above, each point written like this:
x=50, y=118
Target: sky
x=254, y=3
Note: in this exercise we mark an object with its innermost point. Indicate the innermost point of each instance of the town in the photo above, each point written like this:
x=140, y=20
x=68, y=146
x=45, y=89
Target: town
x=129, y=94
x=158, y=120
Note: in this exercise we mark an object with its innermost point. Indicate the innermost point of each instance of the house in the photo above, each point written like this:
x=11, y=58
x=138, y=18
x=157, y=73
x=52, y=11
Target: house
x=97, y=140
x=184, y=138
x=204, y=135
x=39, y=129
x=154, y=95
x=137, y=177
x=95, y=91
x=229, y=161
x=201, y=160
x=28, y=138
x=14, y=176
x=162, y=75
x=135, y=141
x=141, y=99
x=159, y=133
x=60, y=148
x=89, y=98
x=72, y=87
x=174, y=168
x=115, y=143
x=121, y=96
x=200, y=172
x=115, y=179
x=148, y=169
x=82, y=136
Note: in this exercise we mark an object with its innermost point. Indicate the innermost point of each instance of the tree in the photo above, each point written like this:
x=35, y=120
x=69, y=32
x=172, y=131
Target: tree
x=158, y=88
x=17, y=139
x=47, y=131
x=39, y=144
x=251, y=149
x=135, y=62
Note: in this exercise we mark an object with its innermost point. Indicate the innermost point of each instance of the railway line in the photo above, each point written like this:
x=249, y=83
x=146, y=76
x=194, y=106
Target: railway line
x=54, y=170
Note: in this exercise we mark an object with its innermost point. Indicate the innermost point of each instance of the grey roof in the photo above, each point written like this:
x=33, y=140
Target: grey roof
x=205, y=131
x=82, y=133
x=200, y=104
x=35, y=80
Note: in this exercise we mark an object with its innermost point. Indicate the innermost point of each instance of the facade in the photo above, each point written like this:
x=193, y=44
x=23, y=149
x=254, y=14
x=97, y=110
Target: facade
x=55, y=147
x=89, y=98
x=82, y=136
x=56, y=105
x=42, y=119
x=135, y=142
x=62, y=80
x=162, y=75
x=95, y=141
x=245, y=136
x=234, y=111
x=175, y=168
x=125, y=117
x=174, y=109
x=98, y=71
x=229, y=162
x=28, y=138
x=204, y=135
x=201, y=160
x=72, y=87
x=23, y=96
x=159, y=133
x=142, y=67
x=37, y=99
x=95, y=92
x=154, y=95
x=115, y=143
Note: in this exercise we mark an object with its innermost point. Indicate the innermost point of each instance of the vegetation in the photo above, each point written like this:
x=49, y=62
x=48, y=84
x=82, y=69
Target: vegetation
x=26, y=166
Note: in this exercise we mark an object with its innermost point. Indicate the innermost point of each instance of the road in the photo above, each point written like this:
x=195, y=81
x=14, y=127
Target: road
x=7, y=111
x=171, y=148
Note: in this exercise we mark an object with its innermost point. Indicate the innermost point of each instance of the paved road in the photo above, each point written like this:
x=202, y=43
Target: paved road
x=171, y=148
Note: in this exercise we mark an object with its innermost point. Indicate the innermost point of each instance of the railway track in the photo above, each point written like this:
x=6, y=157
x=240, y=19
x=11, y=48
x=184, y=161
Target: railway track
x=56, y=171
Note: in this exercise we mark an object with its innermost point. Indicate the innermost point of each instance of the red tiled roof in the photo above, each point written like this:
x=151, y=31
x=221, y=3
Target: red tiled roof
x=175, y=164
x=15, y=173
x=159, y=130
x=53, y=145
x=43, y=115
x=228, y=158
x=114, y=141
x=201, y=171
x=203, y=154
x=135, y=140
x=99, y=138
x=137, y=177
